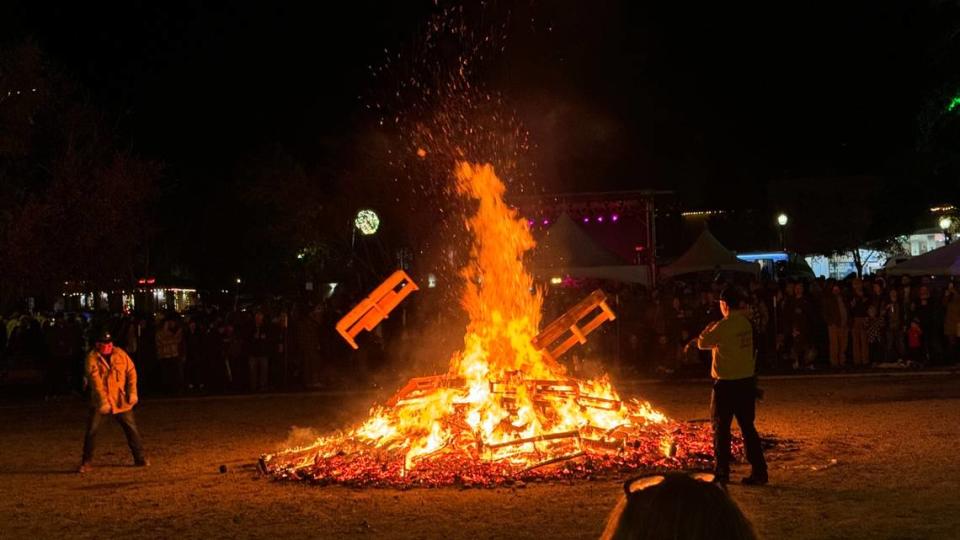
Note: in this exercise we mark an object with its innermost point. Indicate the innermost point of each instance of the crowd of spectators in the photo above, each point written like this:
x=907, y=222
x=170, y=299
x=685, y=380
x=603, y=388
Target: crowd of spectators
x=200, y=352
x=798, y=325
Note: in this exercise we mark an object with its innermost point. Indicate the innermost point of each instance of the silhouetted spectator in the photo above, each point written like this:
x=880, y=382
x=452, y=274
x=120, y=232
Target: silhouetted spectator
x=131, y=338
x=169, y=341
x=837, y=317
x=308, y=331
x=58, y=357
x=874, y=328
x=193, y=348
x=235, y=361
x=677, y=327
x=216, y=368
x=147, y=355
x=858, y=331
x=907, y=295
x=951, y=321
x=915, y=343
x=799, y=325
x=926, y=312
x=262, y=344
x=894, y=327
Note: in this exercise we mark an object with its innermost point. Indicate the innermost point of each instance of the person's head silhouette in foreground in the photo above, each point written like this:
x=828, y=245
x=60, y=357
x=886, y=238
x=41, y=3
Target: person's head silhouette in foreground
x=676, y=507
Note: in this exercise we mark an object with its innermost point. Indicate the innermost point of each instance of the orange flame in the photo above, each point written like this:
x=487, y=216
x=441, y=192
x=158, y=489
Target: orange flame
x=510, y=402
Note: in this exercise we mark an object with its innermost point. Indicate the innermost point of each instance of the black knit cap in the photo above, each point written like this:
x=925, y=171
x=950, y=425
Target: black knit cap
x=731, y=296
x=104, y=337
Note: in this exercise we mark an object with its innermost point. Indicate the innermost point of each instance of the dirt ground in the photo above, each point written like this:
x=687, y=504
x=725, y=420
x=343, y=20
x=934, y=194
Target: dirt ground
x=894, y=440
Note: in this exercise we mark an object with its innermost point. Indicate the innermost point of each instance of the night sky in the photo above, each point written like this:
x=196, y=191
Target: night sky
x=711, y=100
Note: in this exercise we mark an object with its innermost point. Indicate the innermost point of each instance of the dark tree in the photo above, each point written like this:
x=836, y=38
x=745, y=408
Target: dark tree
x=839, y=214
x=75, y=203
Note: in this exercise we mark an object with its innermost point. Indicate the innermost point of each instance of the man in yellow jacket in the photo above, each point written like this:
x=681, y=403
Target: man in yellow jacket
x=112, y=380
x=735, y=387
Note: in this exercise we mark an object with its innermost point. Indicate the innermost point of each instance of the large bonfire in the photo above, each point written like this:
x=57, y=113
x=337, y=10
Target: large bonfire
x=505, y=411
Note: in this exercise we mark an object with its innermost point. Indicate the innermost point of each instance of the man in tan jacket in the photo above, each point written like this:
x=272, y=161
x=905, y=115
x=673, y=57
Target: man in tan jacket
x=112, y=380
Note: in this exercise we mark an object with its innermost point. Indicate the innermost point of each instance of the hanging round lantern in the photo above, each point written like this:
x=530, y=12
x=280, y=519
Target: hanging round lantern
x=367, y=222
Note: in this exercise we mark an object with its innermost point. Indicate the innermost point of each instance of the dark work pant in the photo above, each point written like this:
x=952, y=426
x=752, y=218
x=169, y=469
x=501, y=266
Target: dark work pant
x=126, y=421
x=259, y=373
x=895, y=348
x=735, y=399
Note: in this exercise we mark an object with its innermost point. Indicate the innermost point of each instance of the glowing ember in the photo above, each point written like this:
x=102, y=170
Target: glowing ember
x=505, y=410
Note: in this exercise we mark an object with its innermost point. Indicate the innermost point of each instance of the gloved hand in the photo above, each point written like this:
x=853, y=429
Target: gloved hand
x=104, y=409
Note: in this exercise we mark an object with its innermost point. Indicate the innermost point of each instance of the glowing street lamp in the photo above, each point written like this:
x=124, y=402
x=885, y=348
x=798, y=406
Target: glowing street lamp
x=945, y=223
x=782, y=221
x=236, y=295
x=367, y=222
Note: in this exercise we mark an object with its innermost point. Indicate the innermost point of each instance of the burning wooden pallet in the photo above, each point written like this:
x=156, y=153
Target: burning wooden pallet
x=562, y=334
x=422, y=386
x=543, y=390
x=376, y=306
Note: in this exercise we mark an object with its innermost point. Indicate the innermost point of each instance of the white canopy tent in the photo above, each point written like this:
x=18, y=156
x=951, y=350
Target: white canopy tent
x=944, y=261
x=705, y=255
